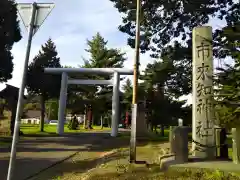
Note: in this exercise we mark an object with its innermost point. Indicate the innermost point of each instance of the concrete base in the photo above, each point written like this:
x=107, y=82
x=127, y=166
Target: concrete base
x=222, y=165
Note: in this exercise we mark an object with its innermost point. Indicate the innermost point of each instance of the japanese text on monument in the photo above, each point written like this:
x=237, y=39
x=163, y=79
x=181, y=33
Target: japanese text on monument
x=203, y=90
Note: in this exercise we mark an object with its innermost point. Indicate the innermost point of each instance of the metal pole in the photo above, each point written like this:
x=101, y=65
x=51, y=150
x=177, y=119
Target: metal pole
x=135, y=85
x=20, y=97
x=115, y=105
x=62, y=104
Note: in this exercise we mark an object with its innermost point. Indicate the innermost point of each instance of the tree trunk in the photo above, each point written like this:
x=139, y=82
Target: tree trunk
x=126, y=120
x=85, y=117
x=155, y=129
x=109, y=122
x=150, y=124
x=89, y=117
x=50, y=111
x=42, y=102
x=1, y=110
x=101, y=122
x=84, y=121
x=162, y=130
x=13, y=116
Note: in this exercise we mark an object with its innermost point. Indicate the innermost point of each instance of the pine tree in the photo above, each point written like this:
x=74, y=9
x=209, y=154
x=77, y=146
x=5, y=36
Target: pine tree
x=100, y=57
x=227, y=95
x=39, y=83
x=9, y=34
x=227, y=81
x=162, y=22
x=127, y=97
x=163, y=83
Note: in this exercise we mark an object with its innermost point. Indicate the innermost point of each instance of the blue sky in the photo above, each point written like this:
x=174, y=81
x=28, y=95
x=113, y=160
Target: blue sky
x=69, y=25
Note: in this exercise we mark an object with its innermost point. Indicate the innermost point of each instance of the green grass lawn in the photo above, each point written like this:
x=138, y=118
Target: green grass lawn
x=51, y=129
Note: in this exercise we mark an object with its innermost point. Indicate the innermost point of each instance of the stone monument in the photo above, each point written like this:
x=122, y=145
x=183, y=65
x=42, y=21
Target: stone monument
x=203, y=145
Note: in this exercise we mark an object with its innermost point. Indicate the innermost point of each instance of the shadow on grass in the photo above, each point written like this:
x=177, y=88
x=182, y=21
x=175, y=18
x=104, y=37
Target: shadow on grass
x=41, y=134
x=74, y=168
x=39, y=169
x=93, y=142
x=84, y=143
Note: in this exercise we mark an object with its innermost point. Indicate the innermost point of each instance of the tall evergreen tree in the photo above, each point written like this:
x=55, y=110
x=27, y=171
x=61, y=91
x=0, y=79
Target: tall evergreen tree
x=227, y=81
x=227, y=94
x=9, y=34
x=164, y=83
x=163, y=22
x=127, y=95
x=39, y=83
x=100, y=57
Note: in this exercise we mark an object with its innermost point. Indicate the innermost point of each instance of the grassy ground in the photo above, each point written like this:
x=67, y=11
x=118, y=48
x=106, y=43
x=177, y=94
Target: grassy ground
x=118, y=167
x=77, y=166
x=132, y=173
x=33, y=130
x=49, y=130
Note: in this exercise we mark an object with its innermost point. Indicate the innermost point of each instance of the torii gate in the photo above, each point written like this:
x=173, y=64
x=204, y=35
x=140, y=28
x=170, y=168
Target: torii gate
x=100, y=71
